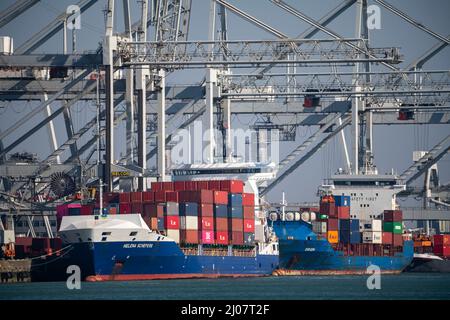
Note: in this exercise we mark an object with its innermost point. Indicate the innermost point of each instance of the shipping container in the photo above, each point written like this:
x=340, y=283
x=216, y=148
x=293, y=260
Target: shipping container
x=387, y=237
x=206, y=210
x=113, y=208
x=332, y=224
x=342, y=201
x=441, y=250
x=394, y=227
x=172, y=222
x=354, y=225
x=148, y=197
x=319, y=226
x=344, y=224
x=125, y=208
x=172, y=196
x=235, y=212
x=198, y=196
x=156, y=186
x=222, y=237
x=236, y=237
x=220, y=197
x=235, y=224
x=327, y=208
x=220, y=224
x=220, y=211
x=172, y=209
x=207, y=237
x=249, y=238
x=136, y=197
x=206, y=223
x=179, y=185
x=393, y=215
x=235, y=200
x=248, y=212
x=375, y=237
x=249, y=225
x=166, y=186
x=190, y=185
x=161, y=223
x=111, y=197
x=397, y=240
x=232, y=186
x=189, y=236
x=377, y=225
x=248, y=199
x=124, y=197
x=344, y=235
x=153, y=210
x=136, y=207
x=188, y=209
x=441, y=239
x=333, y=236
x=160, y=196
x=355, y=237
x=153, y=223
x=342, y=212
x=214, y=185
x=87, y=209
x=189, y=223
x=202, y=185
x=174, y=234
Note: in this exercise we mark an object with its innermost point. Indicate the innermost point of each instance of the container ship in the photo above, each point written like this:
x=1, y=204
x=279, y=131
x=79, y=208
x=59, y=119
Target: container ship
x=178, y=229
x=431, y=253
x=357, y=226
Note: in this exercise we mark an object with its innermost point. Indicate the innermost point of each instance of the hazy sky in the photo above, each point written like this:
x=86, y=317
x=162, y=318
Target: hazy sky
x=393, y=145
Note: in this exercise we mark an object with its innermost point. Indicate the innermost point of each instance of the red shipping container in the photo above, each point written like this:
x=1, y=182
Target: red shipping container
x=172, y=222
x=220, y=197
x=443, y=251
x=110, y=197
x=249, y=225
x=248, y=199
x=206, y=210
x=202, y=185
x=222, y=237
x=387, y=238
x=237, y=237
x=393, y=215
x=179, y=185
x=232, y=186
x=153, y=210
x=24, y=241
x=156, y=186
x=160, y=196
x=342, y=212
x=124, y=197
x=136, y=196
x=167, y=186
x=198, y=196
x=441, y=239
x=148, y=197
x=333, y=224
x=87, y=209
x=221, y=224
x=397, y=240
x=124, y=208
x=327, y=208
x=189, y=236
x=172, y=196
x=137, y=207
x=191, y=185
x=236, y=224
x=207, y=237
x=214, y=185
x=249, y=212
x=206, y=223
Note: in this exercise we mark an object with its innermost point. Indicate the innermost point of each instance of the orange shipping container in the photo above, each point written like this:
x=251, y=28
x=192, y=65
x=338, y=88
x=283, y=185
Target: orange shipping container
x=333, y=236
x=236, y=224
x=206, y=223
x=222, y=237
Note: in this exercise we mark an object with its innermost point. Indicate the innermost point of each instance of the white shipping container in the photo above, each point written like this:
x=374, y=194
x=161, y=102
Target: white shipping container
x=6, y=46
x=174, y=235
x=188, y=223
x=377, y=225
x=372, y=237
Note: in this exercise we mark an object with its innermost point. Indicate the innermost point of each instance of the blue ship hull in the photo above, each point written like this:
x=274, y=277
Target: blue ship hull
x=302, y=252
x=146, y=260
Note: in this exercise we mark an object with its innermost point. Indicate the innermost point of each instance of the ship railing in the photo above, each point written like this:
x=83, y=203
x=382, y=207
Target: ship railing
x=219, y=252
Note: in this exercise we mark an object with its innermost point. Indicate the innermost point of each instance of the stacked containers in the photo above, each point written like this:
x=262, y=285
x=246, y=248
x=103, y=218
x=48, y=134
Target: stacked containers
x=332, y=230
x=342, y=207
x=372, y=231
x=393, y=224
x=355, y=234
x=344, y=230
x=441, y=245
x=235, y=216
x=327, y=206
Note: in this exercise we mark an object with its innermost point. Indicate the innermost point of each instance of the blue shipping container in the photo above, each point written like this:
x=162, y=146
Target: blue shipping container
x=344, y=224
x=235, y=212
x=160, y=223
x=235, y=200
x=355, y=237
x=354, y=225
x=344, y=236
x=188, y=209
x=221, y=211
x=342, y=201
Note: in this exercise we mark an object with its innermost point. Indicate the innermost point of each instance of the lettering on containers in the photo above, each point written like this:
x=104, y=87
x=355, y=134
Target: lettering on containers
x=137, y=245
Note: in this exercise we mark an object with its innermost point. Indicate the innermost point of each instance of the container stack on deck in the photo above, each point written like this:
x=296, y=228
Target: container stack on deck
x=215, y=212
x=357, y=236
x=441, y=245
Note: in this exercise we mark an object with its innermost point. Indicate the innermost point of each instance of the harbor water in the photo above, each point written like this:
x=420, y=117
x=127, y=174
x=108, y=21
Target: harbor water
x=392, y=287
